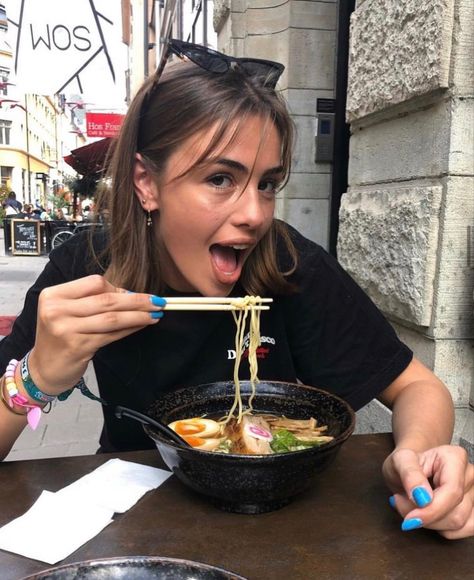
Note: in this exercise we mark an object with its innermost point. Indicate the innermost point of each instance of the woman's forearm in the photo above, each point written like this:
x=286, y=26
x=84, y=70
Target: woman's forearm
x=423, y=415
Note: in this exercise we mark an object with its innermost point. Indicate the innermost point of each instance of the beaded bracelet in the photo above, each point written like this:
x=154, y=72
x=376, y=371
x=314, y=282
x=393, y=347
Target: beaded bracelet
x=33, y=413
x=6, y=403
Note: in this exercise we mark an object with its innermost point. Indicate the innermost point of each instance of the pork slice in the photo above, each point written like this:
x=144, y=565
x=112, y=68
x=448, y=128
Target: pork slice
x=242, y=440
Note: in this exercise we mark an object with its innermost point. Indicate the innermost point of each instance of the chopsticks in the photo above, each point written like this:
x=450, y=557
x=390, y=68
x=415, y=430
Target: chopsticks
x=206, y=303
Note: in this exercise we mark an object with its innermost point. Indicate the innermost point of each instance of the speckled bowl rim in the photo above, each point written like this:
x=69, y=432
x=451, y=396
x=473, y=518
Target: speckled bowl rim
x=136, y=559
x=338, y=440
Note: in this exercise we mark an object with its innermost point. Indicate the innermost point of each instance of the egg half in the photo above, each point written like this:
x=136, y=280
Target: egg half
x=196, y=427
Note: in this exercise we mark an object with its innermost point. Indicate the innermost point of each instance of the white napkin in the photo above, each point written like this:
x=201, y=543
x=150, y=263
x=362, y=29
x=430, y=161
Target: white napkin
x=53, y=528
x=59, y=523
x=117, y=484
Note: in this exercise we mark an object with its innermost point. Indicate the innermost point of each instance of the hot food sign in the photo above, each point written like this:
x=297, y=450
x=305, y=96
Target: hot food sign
x=103, y=124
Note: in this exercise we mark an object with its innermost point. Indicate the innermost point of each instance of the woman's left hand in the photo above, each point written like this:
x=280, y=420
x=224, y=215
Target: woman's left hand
x=447, y=503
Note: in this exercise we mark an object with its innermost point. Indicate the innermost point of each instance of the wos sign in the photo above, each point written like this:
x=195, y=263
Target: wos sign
x=60, y=37
x=59, y=43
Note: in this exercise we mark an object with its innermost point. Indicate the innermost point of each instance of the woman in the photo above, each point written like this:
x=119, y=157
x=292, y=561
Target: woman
x=60, y=215
x=201, y=156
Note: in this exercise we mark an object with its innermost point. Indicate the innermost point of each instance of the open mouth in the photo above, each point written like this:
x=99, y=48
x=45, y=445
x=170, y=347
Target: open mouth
x=228, y=259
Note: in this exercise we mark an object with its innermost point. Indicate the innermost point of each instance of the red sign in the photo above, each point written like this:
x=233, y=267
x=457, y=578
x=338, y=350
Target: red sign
x=103, y=124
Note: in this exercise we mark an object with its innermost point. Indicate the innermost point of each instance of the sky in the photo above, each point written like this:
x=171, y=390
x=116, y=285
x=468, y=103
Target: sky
x=59, y=38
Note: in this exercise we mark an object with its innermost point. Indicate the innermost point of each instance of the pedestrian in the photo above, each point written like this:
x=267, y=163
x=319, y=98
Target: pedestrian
x=11, y=205
x=60, y=215
x=28, y=213
x=203, y=151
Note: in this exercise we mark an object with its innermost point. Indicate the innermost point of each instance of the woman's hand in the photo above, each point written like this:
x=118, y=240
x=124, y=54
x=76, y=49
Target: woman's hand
x=75, y=320
x=433, y=489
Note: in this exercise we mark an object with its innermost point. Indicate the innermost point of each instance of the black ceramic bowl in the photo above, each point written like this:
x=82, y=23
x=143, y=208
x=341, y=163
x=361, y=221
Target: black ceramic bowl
x=136, y=568
x=251, y=484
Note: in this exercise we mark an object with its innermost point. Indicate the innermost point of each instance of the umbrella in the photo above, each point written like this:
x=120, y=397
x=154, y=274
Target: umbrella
x=90, y=162
x=90, y=159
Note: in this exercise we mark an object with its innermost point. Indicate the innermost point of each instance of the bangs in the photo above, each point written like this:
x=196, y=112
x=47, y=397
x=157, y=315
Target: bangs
x=225, y=134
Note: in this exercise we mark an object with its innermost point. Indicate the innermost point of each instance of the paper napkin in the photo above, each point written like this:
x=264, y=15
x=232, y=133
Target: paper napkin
x=59, y=523
x=117, y=484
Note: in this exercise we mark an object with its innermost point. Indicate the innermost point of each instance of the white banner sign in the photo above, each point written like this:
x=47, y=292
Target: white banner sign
x=64, y=46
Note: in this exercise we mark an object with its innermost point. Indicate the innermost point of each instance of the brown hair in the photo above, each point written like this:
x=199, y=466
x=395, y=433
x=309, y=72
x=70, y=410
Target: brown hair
x=186, y=100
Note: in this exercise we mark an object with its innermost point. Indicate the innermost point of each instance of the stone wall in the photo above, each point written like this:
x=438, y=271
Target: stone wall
x=407, y=220
x=302, y=36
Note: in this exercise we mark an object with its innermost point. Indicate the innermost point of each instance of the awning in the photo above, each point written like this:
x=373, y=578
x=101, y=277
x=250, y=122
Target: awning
x=90, y=159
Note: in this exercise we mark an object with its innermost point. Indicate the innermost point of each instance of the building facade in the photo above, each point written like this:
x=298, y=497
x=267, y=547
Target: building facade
x=407, y=220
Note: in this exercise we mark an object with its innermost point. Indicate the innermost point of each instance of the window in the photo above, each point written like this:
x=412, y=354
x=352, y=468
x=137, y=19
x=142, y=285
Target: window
x=4, y=73
x=3, y=18
x=5, y=127
x=6, y=176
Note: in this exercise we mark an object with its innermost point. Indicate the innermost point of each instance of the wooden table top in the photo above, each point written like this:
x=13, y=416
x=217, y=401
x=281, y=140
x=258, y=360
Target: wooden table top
x=342, y=528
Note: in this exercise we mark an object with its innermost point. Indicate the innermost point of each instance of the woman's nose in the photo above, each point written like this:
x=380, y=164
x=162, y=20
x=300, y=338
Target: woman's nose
x=252, y=209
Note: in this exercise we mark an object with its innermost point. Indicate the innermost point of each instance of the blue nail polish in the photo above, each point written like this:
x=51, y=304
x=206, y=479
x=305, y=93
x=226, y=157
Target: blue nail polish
x=157, y=301
x=391, y=501
x=421, y=496
x=158, y=314
x=412, y=524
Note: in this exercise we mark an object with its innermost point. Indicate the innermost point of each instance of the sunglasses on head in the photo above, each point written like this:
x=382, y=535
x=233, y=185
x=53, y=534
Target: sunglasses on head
x=211, y=60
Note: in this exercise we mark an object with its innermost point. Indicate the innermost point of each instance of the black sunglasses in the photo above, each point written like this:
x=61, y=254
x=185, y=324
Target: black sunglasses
x=211, y=60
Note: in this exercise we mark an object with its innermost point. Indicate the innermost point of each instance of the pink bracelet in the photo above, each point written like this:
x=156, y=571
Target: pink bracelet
x=33, y=413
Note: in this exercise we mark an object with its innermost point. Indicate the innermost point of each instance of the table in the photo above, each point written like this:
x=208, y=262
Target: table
x=342, y=528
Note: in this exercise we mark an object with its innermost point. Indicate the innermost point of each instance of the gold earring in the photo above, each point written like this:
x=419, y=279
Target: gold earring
x=148, y=219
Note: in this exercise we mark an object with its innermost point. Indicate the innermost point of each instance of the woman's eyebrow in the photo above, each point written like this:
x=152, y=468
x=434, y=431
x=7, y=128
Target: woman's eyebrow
x=232, y=164
x=274, y=170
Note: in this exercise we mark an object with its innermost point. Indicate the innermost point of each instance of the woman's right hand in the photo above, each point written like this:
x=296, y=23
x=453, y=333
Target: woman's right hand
x=77, y=318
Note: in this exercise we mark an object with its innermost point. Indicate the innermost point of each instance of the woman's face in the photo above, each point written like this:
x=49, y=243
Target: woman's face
x=210, y=219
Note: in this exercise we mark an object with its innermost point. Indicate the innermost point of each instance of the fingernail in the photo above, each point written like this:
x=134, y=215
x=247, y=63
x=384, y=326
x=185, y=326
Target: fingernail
x=130, y=292
x=391, y=501
x=157, y=301
x=421, y=496
x=158, y=314
x=412, y=524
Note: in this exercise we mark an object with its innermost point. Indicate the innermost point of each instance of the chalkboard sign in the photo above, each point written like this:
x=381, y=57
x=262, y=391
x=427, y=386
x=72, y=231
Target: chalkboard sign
x=26, y=237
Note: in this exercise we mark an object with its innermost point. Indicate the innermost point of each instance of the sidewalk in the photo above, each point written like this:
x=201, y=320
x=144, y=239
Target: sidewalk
x=73, y=426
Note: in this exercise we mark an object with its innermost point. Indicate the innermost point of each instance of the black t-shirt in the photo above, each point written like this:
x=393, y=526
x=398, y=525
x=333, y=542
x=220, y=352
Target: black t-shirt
x=328, y=334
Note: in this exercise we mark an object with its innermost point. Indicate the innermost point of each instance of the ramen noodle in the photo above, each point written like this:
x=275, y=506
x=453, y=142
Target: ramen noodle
x=245, y=306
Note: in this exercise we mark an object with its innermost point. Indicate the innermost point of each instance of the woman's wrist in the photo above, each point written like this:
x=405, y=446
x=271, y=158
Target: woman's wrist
x=44, y=383
x=29, y=385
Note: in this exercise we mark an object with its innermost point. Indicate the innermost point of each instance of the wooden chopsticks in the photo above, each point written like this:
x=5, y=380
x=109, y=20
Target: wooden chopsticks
x=206, y=303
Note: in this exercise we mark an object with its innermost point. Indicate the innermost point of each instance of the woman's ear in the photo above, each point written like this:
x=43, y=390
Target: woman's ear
x=146, y=188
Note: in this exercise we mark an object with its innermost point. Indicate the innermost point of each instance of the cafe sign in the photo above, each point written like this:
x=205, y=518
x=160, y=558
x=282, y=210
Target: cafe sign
x=103, y=124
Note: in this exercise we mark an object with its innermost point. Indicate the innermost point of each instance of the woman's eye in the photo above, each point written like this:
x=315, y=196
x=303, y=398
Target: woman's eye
x=221, y=181
x=268, y=186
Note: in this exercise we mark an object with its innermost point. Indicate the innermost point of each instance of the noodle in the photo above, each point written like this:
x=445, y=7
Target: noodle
x=240, y=316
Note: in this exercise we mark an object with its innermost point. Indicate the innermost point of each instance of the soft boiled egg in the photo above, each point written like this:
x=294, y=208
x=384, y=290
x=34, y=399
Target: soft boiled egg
x=197, y=428
x=200, y=443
